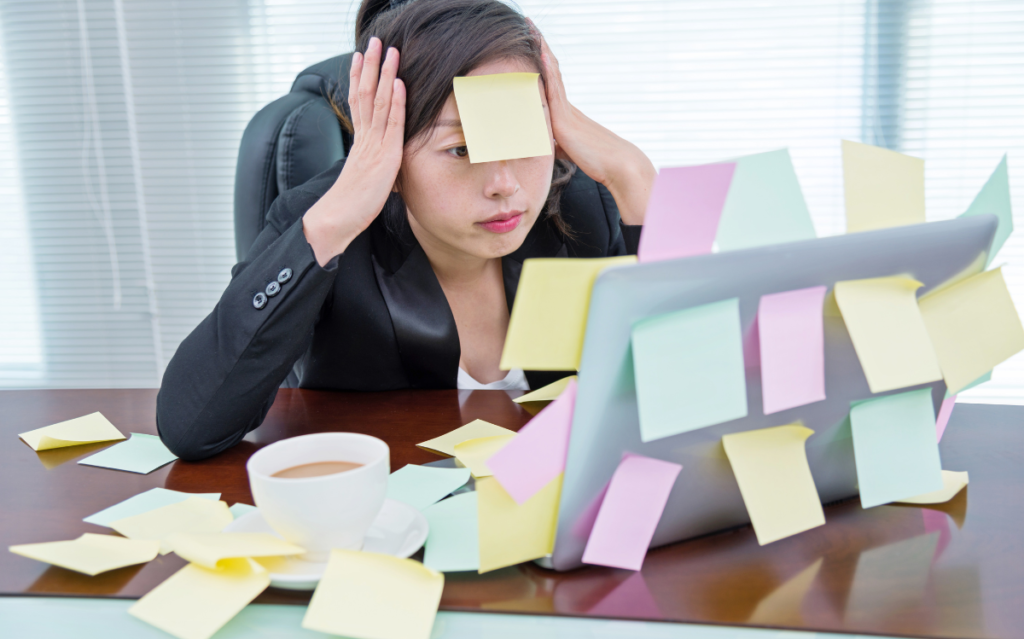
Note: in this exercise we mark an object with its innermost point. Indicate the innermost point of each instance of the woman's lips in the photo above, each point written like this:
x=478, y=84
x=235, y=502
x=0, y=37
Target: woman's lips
x=503, y=223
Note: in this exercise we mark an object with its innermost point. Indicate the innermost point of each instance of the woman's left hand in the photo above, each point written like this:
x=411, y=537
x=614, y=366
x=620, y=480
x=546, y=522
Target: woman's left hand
x=614, y=162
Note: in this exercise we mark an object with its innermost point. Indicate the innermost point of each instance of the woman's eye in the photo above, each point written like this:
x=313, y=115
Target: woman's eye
x=459, y=151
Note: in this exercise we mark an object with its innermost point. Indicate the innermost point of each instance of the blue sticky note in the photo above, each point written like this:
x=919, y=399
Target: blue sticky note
x=689, y=369
x=895, y=448
x=994, y=198
x=452, y=543
x=421, y=486
x=143, y=503
x=140, y=454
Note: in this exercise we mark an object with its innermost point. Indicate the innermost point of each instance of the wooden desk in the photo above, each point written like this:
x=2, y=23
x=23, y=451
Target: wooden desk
x=951, y=571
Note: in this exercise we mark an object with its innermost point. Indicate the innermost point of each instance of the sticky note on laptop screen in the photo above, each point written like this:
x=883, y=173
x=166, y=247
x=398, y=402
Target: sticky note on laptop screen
x=502, y=116
x=689, y=369
x=792, y=355
x=882, y=188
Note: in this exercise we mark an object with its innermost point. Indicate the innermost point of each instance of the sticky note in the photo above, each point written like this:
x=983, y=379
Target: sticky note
x=894, y=447
x=143, y=502
x=474, y=453
x=630, y=512
x=195, y=602
x=421, y=486
x=792, y=348
x=952, y=483
x=91, y=554
x=445, y=444
x=81, y=430
x=689, y=369
x=502, y=116
x=207, y=549
x=765, y=204
x=536, y=455
x=882, y=188
x=512, y=533
x=994, y=199
x=888, y=332
x=945, y=412
x=240, y=509
x=452, y=544
x=546, y=393
x=375, y=596
x=683, y=211
x=973, y=326
x=194, y=515
x=770, y=466
x=549, y=317
x=140, y=454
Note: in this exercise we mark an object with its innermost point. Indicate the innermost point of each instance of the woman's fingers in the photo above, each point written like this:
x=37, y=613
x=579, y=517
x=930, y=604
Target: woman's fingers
x=353, y=88
x=382, y=103
x=394, y=136
x=368, y=81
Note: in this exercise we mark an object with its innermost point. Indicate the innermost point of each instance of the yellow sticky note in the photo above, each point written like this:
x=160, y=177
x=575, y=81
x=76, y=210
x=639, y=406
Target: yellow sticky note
x=549, y=317
x=770, y=465
x=206, y=549
x=973, y=326
x=194, y=515
x=546, y=393
x=512, y=533
x=91, y=554
x=196, y=602
x=474, y=453
x=502, y=116
x=445, y=444
x=372, y=596
x=888, y=332
x=952, y=483
x=74, y=432
x=883, y=188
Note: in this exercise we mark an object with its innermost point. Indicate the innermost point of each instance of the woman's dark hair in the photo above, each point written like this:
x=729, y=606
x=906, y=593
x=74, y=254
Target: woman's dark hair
x=439, y=40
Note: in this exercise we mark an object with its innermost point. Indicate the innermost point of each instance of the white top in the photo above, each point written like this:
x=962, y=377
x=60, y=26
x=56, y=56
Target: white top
x=515, y=380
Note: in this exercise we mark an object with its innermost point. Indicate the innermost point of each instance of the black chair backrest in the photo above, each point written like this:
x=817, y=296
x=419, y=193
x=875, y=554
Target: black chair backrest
x=289, y=141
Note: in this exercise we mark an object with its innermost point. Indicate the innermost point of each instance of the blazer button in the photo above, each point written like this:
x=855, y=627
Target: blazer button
x=273, y=289
x=259, y=301
x=284, y=275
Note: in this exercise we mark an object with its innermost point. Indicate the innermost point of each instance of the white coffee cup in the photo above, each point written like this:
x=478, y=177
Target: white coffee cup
x=325, y=512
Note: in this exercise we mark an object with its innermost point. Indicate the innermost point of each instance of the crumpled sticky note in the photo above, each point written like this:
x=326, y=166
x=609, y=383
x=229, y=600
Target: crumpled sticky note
x=91, y=554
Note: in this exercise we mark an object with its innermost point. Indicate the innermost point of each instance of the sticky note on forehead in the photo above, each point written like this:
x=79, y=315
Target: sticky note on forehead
x=502, y=117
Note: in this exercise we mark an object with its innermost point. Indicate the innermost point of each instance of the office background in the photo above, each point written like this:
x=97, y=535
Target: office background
x=120, y=122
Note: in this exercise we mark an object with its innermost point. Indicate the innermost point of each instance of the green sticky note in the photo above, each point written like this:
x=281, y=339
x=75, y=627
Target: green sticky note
x=895, y=448
x=453, y=544
x=143, y=503
x=765, y=204
x=421, y=486
x=241, y=509
x=689, y=369
x=994, y=198
x=140, y=454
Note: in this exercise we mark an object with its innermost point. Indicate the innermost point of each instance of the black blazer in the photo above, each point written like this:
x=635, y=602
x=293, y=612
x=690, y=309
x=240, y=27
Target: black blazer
x=375, y=318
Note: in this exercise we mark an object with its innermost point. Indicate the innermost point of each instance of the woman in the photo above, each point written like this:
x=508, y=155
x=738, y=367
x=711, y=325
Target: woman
x=397, y=267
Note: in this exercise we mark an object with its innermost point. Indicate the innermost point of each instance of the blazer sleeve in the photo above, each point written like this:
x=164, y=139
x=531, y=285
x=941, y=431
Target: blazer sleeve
x=224, y=376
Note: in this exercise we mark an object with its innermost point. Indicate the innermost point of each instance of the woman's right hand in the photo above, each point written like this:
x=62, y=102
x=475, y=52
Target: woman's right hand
x=377, y=106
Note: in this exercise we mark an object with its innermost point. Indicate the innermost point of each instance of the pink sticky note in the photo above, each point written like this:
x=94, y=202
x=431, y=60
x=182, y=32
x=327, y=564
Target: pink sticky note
x=537, y=454
x=944, y=412
x=684, y=210
x=792, y=340
x=630, y=512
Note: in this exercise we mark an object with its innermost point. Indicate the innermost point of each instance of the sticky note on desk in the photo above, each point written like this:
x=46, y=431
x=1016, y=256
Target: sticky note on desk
x=91, y=554
x=770, y=466
x=73, y=432
x=630, y=512
x=683, y=211
x=895, y=448
x=546, y=393
x=365, y=594
x=474, y=453
x=194, y=515
x=512, y=533
x=549, y=317
x=502, y=116
x=994, y=199
x=792, y=348
x=445, y=444
x=536, y=455
x=952, y=483
x=973, y=326
x=196, y=602
x=453, y=542
x=888, y=332
x=689, y=369
x=143, y=502
x=421, y=486
x=882, y=188
x=140, y=454
x=208, y=549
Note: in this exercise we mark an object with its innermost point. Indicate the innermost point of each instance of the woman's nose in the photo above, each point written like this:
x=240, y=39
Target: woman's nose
x=502, y=181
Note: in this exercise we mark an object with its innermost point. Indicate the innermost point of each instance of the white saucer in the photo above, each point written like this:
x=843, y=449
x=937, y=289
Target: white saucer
x=398, y=530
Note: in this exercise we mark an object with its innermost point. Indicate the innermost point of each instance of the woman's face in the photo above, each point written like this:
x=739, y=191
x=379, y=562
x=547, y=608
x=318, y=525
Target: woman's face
x=482, y=210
